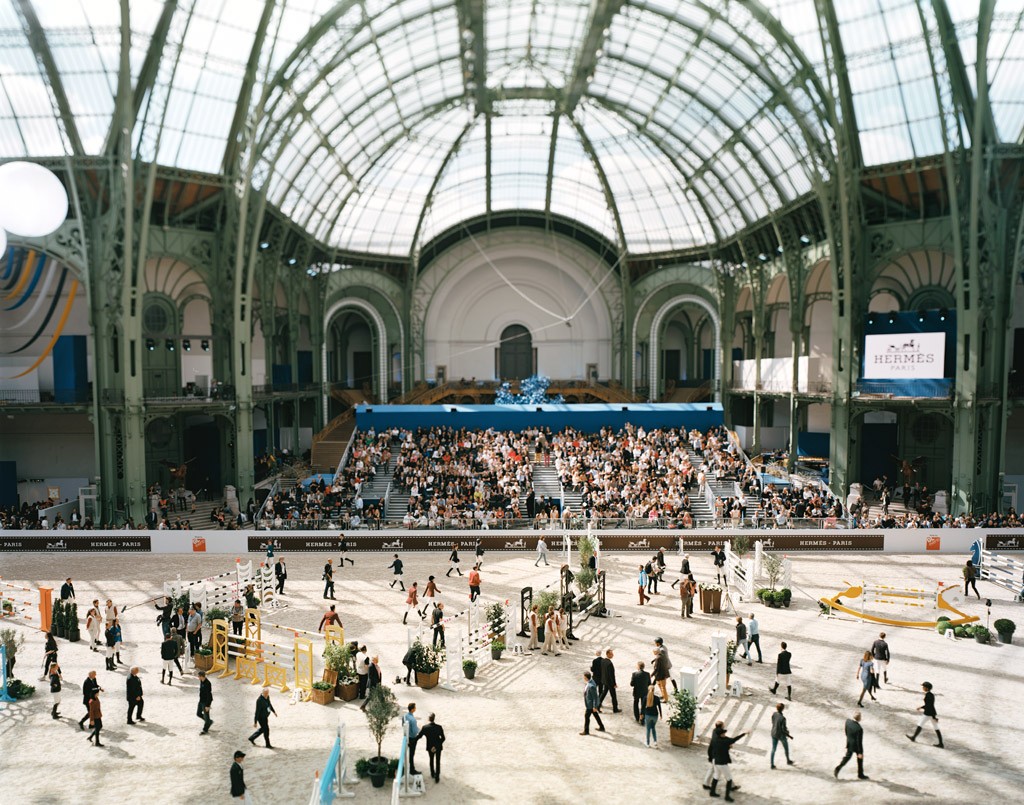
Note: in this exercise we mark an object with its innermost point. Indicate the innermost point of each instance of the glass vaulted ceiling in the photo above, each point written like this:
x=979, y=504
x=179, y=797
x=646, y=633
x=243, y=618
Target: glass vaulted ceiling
x=378, y=125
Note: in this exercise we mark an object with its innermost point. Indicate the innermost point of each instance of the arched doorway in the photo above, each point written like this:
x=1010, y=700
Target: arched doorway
x=515, y=355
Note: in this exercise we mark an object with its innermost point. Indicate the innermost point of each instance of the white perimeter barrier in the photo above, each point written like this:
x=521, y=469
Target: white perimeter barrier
x=1003, y=571
x=335, y=777
x=704, y=682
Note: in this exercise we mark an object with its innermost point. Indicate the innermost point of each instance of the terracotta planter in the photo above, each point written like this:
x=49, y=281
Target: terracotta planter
x=203, y=662
x=678, y=737
x=321, y=696
x=711, y=601
x=427, y=681
x=347, y=691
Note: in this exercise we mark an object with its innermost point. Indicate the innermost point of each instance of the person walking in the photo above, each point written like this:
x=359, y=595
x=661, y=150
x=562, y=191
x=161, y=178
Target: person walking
x=685, y=597
x=684, y=570
x=479, y=552
x=396, y=566
x=67, y=590
x=281, y=574
x=720, y=757
x=659, y=564
x=430, y=594
x=652, y=577
x=652, y=711
x=330, y=618
x=780, y=734
x=854, y=746
x=590, y=703
x=134, y=695
x=437, y=623
x=205, y=702
x=362, y=669
x=90, y=687
x=474, y=583
x=661, y=670
x=412, y=601
x=754, y=636
x=328, y=578
x=343, y=547
x=709, y=776
x=414, y=734
x=49, y=654
x=238, y=787
x=110, y=637
x=783, y=673
x=169, y=655
x=118, y=635
x=407, y=662
x=880, y=659
x=640, y=682
x=542, y=552
x=561, y=619
x=453, y=560
x=928, y=714
x=433, y=734
x=92, y=625
x=264, y=707
x=866, y=676
x=95, y=719
x=550, y=634
x=741, y=638
x=56, y=683
x=534, y=618
x=608, y=684
x=641, y=582
x=971, y=579
x=718, y=557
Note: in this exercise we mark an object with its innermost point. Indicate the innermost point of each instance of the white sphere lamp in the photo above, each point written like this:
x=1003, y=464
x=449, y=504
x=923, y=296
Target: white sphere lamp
x=33, y=202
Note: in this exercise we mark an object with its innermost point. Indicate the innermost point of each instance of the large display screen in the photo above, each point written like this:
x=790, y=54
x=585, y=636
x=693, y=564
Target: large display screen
x=905, y=356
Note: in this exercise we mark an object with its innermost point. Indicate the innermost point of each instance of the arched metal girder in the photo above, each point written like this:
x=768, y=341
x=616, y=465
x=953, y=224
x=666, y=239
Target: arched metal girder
x=845, y=127
x=44, y=58
x=232, y=149
x=609, y=197
x=601, y=14
x=429, y=199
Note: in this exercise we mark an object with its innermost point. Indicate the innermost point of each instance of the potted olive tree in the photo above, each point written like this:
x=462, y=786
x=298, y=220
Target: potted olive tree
x=682, y=716
x=12, y=641
x=1005, y=629
x=381, y=709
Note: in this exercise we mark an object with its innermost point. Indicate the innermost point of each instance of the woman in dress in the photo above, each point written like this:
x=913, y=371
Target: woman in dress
x=864, y=672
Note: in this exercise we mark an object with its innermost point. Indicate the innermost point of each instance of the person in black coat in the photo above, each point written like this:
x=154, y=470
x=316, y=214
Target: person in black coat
x=329, y=579
x=608, y=684
x=205, y=702
x=169, y=655
x=281, y=573
x=640, y=681
x=433, y=735
x=49, y=654
x=854, y=746
x=373, y=679
x=164, y=618
x=718, y=555
x=67, y=591
x=684, y=571
x=720, y=757
x=783, y=673
x=134, y=694
x=262, y=718
x=89, y=688
x=597, y=674
x=929, y=714
x=238, y=776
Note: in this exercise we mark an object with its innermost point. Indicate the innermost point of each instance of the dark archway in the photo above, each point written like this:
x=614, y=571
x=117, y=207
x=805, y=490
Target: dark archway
x=515, y=356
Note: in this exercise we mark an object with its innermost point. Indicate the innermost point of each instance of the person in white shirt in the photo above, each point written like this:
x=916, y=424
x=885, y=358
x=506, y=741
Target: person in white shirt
x=542, y=552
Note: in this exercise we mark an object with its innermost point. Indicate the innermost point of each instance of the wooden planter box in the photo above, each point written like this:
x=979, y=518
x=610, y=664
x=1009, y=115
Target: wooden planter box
x=204, y=662
x=678, y=737
x=711, y=601
x=427, y=681
x=322, y=696
x=347, y=692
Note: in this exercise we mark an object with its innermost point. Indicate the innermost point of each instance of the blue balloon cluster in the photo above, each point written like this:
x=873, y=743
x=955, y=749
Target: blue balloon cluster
x=532, y=391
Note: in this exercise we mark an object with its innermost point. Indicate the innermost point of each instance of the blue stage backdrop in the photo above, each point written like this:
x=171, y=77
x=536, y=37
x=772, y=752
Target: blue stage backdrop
x=588, y=417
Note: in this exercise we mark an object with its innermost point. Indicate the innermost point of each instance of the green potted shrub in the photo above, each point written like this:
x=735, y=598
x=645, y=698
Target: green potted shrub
x=778, y=599
x=72, y=624
x=392, y=768
x=57, y=619
x=730, y=657
x=323, y=692
x=426, y=662
x=943, y=626
x=340, y=669
x=17, y=689
x=381, y=710
x=682, y=716
x=1005, y=628
x=469, y=668
x=216, y=614
x=363, y=767
x=497, y=646
x=981, y=633
x=203, y=658
x=960, y=631
x=762, y=594
x=787, y=596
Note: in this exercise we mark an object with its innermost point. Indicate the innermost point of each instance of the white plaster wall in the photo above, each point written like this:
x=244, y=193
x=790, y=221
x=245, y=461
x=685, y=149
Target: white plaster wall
x=467, y=308
x=783, y=338
x=819, y=418
x=196, y=327
x=358, y=338
x=46, y=445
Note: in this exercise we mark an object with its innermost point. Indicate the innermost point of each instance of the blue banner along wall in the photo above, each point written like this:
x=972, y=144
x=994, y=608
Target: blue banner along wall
x=587, y=417
x=913, y=321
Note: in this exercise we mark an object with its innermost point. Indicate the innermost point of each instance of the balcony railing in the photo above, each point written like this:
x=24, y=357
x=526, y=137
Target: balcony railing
x=35, y=396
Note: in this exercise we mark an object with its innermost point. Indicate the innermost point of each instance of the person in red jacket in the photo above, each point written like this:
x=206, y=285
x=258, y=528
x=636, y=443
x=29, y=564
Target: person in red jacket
x=474, y=583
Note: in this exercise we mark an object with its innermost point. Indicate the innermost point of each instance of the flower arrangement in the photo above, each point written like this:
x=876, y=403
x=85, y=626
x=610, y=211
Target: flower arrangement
x=714, y=588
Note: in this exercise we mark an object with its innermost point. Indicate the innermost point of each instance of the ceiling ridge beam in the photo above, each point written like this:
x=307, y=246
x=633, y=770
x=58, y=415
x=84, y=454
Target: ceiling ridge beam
x=601, y=14
x=473, y=40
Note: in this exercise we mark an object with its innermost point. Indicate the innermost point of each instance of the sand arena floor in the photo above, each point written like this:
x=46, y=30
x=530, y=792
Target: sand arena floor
x=512, y=732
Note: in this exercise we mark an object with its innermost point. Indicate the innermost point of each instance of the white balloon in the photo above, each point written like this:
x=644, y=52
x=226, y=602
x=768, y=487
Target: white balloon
x=33, y=202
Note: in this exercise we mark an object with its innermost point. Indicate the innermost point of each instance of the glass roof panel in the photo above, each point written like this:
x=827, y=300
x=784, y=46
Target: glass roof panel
x=576, y=190
x=1006, y=70
x=462, y=189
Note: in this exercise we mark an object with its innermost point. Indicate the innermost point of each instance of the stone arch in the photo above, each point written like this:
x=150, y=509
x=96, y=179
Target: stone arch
x=659, y=317
x=382, y=339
